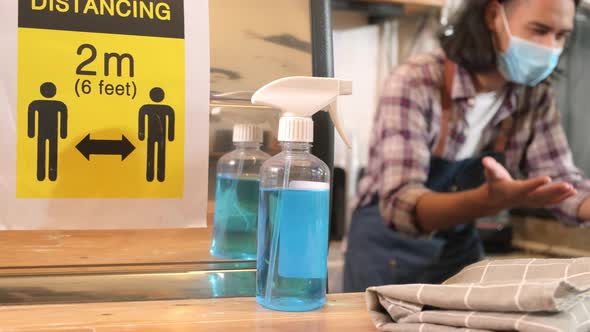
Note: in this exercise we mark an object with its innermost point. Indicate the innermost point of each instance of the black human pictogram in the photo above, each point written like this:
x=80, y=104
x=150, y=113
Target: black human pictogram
x=160, y=127
x=50, y=117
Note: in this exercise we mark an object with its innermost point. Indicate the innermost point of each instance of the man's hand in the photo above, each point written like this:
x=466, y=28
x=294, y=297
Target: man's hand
x=436, y=211
x=504, y=192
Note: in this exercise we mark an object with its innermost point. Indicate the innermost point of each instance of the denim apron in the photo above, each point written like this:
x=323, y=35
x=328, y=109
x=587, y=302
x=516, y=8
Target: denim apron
x=378, y=255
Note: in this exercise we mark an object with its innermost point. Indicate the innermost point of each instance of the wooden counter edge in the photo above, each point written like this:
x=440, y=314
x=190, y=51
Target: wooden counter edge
x=341, y=311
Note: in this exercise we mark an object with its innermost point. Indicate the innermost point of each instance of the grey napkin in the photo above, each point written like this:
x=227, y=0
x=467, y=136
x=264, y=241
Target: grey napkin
x=502, y=295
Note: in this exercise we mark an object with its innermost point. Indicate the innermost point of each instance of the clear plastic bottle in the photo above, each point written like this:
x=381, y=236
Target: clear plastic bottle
x=293, y=226
x=236, y=196
x=293, y=214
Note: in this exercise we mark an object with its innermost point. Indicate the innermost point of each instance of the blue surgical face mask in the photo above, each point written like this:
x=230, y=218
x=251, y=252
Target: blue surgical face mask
x=525, y=62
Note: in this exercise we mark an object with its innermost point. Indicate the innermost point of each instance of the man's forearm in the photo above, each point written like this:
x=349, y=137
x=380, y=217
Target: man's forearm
x=584, y=210
x=439, y=211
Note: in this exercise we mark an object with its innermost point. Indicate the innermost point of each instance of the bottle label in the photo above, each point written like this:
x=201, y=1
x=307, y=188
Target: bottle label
x=303, y=243
x=308, y=185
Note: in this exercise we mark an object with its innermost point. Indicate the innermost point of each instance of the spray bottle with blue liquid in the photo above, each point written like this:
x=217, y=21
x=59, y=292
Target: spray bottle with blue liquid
x=236, y=195
x=294, y=204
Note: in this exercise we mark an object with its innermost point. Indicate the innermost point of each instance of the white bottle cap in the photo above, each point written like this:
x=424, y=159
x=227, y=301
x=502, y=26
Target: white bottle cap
x=296, y=129
x=244, y=133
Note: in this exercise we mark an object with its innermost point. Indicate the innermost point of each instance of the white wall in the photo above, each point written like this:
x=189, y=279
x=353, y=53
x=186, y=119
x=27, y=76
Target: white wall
x=367, y=54
x=364, y=53
x=355, y=57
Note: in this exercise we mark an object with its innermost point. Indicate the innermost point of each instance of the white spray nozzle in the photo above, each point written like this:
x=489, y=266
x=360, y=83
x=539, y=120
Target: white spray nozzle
x=301, y=97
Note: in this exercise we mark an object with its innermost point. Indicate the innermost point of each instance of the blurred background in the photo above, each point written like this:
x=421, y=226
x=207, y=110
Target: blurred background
x=371, y=38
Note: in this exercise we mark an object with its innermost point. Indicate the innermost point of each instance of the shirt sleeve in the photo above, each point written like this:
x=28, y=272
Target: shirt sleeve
x=403, y=150
x=549, y=154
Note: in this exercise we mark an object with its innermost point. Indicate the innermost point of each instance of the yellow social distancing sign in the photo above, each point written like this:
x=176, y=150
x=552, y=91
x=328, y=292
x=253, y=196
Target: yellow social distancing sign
x=101, y=99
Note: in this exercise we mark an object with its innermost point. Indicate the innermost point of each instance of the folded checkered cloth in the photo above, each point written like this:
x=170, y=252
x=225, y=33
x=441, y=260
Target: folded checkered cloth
x=504, y=295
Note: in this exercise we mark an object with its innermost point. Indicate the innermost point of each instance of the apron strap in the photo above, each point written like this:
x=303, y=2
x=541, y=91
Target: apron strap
x=447, y=106
x=503, y=135
x=508, y=123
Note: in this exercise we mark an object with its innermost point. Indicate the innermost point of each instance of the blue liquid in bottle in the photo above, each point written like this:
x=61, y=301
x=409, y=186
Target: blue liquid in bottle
x=292, y=249
x=236, y=216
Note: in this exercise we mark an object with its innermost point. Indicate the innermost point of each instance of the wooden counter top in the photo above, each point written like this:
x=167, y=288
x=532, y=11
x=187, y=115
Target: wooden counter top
x=342, y=313
x=97, y=247
x=89, y=266
x=33, y=250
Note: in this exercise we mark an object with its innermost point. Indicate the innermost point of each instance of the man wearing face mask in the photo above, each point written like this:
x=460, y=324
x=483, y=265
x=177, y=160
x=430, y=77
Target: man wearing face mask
x=453, y=130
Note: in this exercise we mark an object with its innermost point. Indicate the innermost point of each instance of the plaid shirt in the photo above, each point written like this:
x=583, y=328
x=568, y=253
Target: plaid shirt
x=407, y=125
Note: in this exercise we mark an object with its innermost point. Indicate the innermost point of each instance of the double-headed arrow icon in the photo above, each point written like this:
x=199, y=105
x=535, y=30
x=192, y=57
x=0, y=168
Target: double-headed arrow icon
x=90, y=146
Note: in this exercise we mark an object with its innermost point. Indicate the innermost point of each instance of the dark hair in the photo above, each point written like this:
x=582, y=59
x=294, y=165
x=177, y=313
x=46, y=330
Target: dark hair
x=468, y=40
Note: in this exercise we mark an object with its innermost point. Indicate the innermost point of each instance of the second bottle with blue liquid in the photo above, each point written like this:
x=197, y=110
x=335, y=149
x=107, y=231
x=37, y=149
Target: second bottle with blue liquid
x=236, y=196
